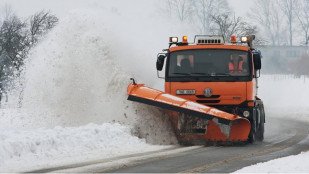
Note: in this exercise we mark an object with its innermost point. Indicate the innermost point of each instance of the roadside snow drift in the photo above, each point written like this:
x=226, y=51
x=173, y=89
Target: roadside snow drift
x=291, y=164
x=59, y=146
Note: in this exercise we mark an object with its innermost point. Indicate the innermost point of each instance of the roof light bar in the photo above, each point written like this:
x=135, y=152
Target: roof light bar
x=203, y=40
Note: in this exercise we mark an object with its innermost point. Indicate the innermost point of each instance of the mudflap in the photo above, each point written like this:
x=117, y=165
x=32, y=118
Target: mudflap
x=193, y=123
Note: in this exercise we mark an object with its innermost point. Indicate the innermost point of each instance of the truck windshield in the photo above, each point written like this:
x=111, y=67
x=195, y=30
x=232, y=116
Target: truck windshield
x=208, y=63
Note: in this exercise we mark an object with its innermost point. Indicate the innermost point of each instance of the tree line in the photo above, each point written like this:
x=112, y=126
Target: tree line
x=276, y=22
x=284, y=22
x=17, y=37
x=210, y=17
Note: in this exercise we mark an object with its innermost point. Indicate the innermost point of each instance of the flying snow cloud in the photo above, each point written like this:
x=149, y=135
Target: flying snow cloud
x=76, y=78
x=79, y=72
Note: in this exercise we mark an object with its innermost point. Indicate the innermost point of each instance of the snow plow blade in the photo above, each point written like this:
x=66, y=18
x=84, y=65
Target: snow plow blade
x=219, y=126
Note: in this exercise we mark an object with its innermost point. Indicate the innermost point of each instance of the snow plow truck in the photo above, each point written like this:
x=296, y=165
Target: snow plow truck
x=210, y=90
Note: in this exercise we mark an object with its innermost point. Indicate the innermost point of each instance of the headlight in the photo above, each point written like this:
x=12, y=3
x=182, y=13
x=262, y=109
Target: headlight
x=185, y=92
x=246, y=113
x=173, y=39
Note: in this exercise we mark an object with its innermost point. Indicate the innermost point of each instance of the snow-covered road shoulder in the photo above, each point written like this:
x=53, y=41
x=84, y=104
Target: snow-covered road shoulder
x=51, y=147
x=291, y=164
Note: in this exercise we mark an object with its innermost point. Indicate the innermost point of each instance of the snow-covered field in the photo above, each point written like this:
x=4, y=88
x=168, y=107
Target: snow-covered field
x=74, y=107
x=285, y=94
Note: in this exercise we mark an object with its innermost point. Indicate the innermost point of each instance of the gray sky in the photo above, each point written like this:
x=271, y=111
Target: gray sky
x=61, y=7
x=241, y=7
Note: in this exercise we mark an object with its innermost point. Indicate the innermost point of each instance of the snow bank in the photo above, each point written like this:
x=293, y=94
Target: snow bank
x=291, y=164
x=48, y=147
x=284, y=90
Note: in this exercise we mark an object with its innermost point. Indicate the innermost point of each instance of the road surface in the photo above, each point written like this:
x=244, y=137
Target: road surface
x=283, y=137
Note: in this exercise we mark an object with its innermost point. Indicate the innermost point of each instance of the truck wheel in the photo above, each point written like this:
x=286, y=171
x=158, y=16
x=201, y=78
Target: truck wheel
x=252, y=134
x=260, y=132
x=251, y=137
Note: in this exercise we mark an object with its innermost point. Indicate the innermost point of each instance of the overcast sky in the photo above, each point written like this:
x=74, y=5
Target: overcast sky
x=61, y=7
x=241, y=7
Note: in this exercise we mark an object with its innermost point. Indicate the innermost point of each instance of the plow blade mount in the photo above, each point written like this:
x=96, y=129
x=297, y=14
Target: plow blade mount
x=197, y=122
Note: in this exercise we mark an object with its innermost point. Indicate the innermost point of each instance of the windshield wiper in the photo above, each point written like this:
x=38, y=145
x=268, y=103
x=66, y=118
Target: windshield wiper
x=213, y=74
x=200, y=73
x=223, y=74
x=187, y=74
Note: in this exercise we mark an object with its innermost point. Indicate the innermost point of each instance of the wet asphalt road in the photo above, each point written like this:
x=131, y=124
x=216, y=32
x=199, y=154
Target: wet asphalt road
x=282, y=138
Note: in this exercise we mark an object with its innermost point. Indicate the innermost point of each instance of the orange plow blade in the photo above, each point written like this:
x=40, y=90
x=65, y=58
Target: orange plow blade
x=213, y=124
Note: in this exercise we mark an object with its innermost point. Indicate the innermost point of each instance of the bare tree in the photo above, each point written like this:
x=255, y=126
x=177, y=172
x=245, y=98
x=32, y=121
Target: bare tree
x=246, y=29
x=204, y=10
x=227, y=25
x=16, y=39
x=268, y=16
x=6, y=12
x=169, y=7
x=198, y=12
x=302, y=14
x=13, y=50
x=288, y=10
x=40, y=23
x=182, y=9
x=13, y=41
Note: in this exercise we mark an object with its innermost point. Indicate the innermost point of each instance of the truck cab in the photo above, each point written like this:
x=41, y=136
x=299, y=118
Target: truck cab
x=217, y=74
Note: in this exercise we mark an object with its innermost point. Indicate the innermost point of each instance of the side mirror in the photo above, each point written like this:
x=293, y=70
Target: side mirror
x=160, y=61
x=257, y=61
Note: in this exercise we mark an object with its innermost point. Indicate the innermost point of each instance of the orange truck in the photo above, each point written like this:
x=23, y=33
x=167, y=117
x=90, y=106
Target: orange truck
x=210, y=90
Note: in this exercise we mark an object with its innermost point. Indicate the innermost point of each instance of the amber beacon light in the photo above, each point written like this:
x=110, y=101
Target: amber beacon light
x=185, y=39
x=233, y=39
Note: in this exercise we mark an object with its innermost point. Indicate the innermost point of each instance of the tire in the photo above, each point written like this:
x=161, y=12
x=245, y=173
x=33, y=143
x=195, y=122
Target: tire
x=252, y=136
x=260, y=131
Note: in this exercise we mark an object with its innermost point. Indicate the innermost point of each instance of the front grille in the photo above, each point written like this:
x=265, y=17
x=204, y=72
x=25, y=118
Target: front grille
x=213, y=96
x=208, y=101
